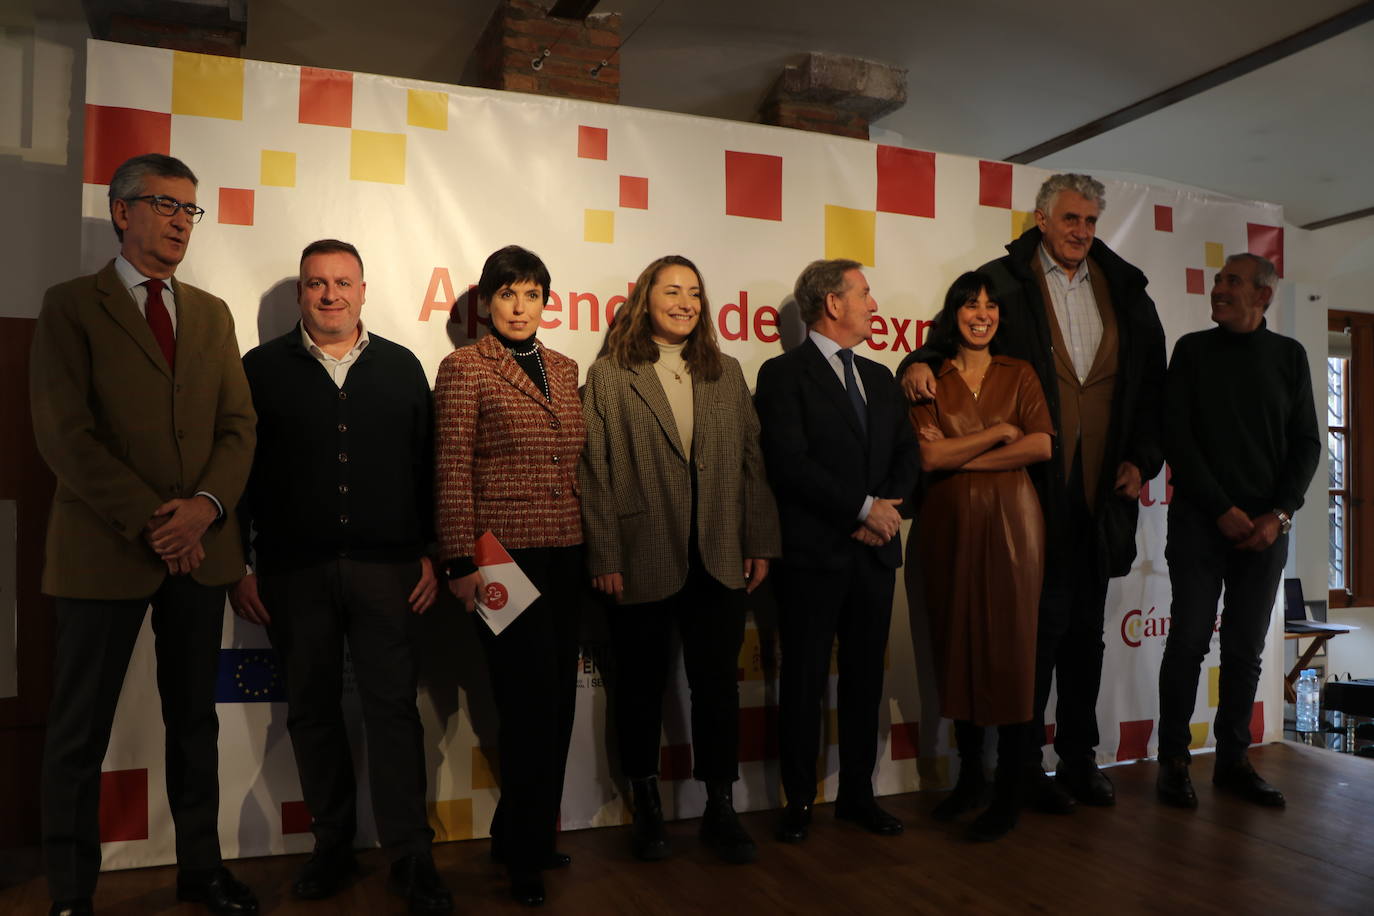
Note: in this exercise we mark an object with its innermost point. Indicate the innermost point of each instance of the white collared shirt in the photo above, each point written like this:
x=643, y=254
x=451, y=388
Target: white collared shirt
x=1075, y=306
x=133, y=282
x=830, y=349
x=337, y=367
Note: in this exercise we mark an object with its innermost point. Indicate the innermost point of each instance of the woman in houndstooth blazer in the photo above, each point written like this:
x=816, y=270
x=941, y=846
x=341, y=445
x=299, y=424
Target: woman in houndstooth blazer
x=680, y=525
x=508, y=435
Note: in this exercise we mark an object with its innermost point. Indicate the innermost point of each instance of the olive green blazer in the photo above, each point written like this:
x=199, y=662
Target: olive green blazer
x=636, y=481
x=123, y=434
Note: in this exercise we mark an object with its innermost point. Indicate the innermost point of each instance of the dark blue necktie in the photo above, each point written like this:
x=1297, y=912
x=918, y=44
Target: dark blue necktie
x=851, y=385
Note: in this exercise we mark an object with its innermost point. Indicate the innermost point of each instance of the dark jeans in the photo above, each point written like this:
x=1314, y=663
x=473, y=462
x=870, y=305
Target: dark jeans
x=533, y=665
x=1069, y=636
x=95, y=639
x=316, y=611
x=710, y=619
x=1201, y=562
x=816, y=606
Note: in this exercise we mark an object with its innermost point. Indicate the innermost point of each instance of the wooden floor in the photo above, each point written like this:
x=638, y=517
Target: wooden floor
x=1139, y=857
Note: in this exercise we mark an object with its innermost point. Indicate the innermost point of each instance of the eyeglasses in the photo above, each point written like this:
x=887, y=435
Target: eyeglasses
x=168, y=206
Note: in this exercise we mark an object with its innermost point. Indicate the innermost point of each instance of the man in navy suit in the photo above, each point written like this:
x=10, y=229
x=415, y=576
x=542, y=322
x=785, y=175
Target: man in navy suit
x=841, y=457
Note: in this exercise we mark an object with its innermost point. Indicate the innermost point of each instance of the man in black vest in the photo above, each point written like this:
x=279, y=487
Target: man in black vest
x=340, y=502
x=1078, y=313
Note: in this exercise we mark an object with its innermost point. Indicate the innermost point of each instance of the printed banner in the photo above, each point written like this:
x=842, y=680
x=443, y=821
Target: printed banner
x=427, y=180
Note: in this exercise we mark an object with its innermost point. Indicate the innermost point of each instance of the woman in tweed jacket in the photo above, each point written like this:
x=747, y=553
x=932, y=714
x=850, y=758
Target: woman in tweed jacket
x=509, y=432
x=680, y=524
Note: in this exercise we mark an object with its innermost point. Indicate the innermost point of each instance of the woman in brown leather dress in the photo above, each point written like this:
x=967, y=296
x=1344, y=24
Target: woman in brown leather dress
x=982, y=544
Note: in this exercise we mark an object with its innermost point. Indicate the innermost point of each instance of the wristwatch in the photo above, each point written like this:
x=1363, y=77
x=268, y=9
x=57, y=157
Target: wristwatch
x=1285, y=520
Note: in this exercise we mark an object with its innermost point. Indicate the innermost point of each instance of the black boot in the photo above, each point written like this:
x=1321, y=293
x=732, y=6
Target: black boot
x=1001, y=816
x=720, y=826
x=648, y=839
x=971, y=787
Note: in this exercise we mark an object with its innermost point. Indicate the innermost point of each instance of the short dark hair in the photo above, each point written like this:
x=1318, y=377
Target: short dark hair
x=127, y=181
x=944, y=331
x=508, y=265
x=818, y=280
x=331, y=246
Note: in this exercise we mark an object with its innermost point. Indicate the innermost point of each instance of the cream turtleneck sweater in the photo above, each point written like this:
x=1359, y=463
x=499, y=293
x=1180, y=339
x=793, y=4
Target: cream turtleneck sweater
x=677, y=385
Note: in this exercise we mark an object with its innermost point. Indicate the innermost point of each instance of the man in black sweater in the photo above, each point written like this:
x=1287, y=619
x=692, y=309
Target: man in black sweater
x=341, y=504
x=1241, y=438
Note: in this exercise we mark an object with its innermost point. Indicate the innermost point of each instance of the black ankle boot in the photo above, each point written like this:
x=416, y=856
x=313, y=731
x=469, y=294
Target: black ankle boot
x=648, y=839
x=720, y=826
x=969, y=792
x=1001, y=816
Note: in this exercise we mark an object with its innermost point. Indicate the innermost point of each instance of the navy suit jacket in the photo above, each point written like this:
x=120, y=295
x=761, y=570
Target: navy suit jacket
x=821, y=463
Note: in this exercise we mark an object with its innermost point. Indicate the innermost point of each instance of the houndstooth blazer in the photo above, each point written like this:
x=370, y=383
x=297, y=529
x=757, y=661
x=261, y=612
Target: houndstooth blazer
x=636, y=481
x=506, y=457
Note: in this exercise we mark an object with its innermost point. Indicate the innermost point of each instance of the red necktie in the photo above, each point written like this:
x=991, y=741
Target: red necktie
x=160, y=322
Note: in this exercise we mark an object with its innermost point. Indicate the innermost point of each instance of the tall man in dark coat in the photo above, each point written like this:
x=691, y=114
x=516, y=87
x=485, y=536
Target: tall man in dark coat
x=1241, y=438
x=142, y=412
x=341, y=502
x=841, y=456
x=1080, y=315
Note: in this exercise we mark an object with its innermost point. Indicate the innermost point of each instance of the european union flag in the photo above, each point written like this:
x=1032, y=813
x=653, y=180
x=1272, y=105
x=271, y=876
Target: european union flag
x=249, y=676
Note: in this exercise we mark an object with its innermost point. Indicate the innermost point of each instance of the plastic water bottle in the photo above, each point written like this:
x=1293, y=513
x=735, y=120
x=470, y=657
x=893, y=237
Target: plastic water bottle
x=1309, y=702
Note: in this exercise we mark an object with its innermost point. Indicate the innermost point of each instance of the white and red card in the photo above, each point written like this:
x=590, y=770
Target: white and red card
x=506, y=590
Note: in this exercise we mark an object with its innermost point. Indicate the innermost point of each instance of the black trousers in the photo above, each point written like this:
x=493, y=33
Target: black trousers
x=315, y=612
x=1201, y=562
x=95, y=639
x=710, y=619
x=533, y=665
x=1068, y=640
x=816, y=606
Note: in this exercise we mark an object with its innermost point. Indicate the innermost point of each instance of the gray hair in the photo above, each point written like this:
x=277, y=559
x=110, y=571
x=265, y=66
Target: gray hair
x=818, y=280
x=1086, y=185
x=1266, y=274
x=127, y=181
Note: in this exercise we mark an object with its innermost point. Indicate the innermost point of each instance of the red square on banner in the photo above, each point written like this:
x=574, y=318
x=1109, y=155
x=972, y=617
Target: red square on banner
x=906, y=740
x=994, y=184
x=326, y=97
x=758, y=732
x=753, y=185
x=123, y=805
x=236, y=206
x=116, y=134
x=1197, y=281
x=1164, y=218
x=1049, y=734
x=1257, y=722
x=675, y=762
x=1135, y=739
x=906, y=181
x=1267, y=242
x=591, y=142
x=295, y=817
x=634, y=192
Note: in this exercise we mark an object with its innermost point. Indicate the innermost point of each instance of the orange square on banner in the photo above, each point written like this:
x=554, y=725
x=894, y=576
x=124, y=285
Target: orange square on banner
x=1164, y=218
x=1257, y=722
x=295, y=817
x=591, y=142
x=634, y=192
x=236, y=206
x=1267, y=242
x=1135, y=739
x=906, y=740
x=753, y=185
x=326, y=97
x=116, y=134
x=758, y=733
x=123, y=805
x=1195, y=280
x=994, y=184
x=906, y=182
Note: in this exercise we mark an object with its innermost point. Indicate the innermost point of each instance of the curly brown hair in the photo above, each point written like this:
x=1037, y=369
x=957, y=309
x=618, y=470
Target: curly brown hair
x=630, y=341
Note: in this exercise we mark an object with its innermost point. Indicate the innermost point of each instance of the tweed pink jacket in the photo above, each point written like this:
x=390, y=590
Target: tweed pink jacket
x=506, y=458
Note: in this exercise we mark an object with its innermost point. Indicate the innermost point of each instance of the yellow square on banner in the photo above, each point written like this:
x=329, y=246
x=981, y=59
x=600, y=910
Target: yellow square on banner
x=1213, y=686
x=750, y=656
x=1021, y=220
x=278, y=169
x=1215, y=255
x=451, y=820
x=598, y=226
x=483, y=762
x=849, y=233
x=1199, y=736
x=425, y=108
x=378, y=157
x=211, y=87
